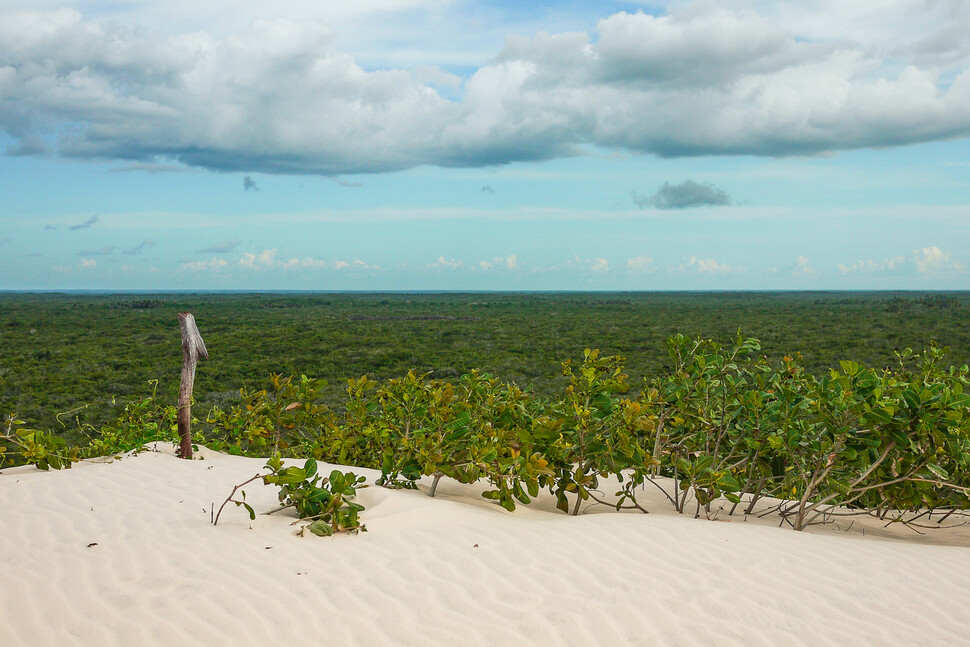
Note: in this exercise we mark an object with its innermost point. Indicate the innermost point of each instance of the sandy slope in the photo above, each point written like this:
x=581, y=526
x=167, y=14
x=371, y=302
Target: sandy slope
x=123, y=554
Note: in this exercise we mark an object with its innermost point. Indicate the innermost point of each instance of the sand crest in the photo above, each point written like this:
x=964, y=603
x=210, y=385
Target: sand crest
x=122, y=553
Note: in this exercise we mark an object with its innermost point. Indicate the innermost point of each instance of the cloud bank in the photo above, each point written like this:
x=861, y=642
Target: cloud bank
x=736, y=78
x=927, y=261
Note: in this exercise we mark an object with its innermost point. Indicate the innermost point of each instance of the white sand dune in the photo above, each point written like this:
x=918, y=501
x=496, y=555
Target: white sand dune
x=124, y=554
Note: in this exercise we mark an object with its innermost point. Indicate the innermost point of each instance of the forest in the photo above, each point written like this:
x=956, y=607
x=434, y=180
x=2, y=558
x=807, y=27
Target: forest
x=71, y=361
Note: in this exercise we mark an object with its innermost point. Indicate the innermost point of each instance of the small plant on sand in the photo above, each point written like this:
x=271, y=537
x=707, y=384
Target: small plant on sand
x=323, y=501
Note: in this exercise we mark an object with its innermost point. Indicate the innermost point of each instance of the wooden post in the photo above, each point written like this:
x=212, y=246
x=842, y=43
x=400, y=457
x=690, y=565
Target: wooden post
x=192, y=348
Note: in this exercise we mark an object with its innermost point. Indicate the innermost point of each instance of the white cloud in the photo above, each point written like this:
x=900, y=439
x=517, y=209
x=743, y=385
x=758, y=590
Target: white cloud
x=83, y=264
x=870, y=266
x=706, y=266
x=802, y=267
x=639, y=263
x=600, y=265
x=266, y=259
x=735, y=77
x=927, y=261
x=304, y=263
x=510, y=262
x=933, y=260
x=444, y=264
x=202, y=266
x=356, y=264
x=597, y=264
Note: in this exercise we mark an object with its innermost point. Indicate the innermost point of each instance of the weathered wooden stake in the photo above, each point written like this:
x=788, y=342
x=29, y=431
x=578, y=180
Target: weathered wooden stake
x=192, y=348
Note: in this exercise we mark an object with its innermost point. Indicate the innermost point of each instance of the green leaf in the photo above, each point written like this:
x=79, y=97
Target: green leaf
x=310, y=468
x=319, y=495
x=291, y=476
x=320, y=528
x=848, y=367
x=703, y=463
x=728, y=483
x=533, y=487
x=882, y=415
x=960, y=399
x=911, y=398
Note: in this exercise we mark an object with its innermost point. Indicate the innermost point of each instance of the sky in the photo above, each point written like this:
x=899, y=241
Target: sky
x=484, y=145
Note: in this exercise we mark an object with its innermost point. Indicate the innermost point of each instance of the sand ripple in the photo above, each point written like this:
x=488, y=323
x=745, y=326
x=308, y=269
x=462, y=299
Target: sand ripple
x=123, y=554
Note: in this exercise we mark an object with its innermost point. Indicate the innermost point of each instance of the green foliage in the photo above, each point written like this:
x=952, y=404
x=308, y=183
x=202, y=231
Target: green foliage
x=56, y=353
x=729, y=423
x=593, y=440
x=143, y=420
x=323, y=501
x=721, y=423
x=710, y=414
x=500, y=441
x=20, y=445
x=735, y=420
x=271, y=420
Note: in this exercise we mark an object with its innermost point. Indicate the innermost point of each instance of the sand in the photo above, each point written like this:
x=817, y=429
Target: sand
x=122, y=553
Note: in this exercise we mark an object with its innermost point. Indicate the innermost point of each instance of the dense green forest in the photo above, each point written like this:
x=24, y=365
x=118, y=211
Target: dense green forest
x=67, y=359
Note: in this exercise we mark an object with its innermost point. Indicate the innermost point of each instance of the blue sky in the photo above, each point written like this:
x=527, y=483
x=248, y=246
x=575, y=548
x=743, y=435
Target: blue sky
x=448, y=145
